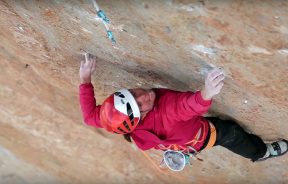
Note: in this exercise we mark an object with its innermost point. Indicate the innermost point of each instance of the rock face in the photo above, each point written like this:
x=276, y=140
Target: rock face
x=158, y=44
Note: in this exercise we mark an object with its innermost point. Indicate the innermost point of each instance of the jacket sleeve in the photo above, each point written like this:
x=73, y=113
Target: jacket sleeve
x=90, y=112
x=183, y=106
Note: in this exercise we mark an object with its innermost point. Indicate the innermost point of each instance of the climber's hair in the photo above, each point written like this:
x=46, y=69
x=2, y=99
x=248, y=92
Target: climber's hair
x=127, y=137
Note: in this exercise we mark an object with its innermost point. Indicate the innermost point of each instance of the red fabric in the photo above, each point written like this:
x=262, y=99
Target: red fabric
x=90, y=112
x=175, y=118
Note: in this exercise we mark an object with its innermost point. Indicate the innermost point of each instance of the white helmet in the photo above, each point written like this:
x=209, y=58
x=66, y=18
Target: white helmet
x=120, y=113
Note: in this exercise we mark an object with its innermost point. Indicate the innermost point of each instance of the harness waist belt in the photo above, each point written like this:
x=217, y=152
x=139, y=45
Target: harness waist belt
x=212, y=138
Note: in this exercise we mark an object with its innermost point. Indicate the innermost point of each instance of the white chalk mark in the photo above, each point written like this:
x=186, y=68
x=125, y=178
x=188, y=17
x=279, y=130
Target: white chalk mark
x=283, y=51
x=258, y=50
x=21, y=28
x=97, y=19
x=188, y=8
x=159, y=86
x=86, y=30
x=119, y=28
x=193, y=8
x=210, y=52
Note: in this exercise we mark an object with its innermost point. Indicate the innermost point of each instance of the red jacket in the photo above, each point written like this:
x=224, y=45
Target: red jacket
x=175, y=119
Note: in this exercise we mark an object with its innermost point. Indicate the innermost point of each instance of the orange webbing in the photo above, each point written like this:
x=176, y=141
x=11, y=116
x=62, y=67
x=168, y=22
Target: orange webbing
x=195, y=141
x=157, y=167
x=212, y=139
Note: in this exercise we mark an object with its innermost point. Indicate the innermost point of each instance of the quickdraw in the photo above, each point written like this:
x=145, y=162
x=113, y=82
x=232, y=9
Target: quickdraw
x=105, y=21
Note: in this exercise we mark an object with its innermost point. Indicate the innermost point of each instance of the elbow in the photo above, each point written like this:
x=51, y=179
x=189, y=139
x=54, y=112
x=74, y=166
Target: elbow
x=87, y=121
x=92, y=122
x=84, y=122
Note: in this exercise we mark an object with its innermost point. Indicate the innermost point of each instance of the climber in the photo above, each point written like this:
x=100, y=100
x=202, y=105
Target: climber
x=170, y=120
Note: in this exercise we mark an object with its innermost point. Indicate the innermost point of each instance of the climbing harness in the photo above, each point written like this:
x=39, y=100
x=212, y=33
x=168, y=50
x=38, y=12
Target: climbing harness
x=105, y=21
x=176, y=157
x=212, y=138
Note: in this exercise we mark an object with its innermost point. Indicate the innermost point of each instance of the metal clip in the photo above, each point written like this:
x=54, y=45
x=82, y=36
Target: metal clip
x=102, y=15
x=110, y=36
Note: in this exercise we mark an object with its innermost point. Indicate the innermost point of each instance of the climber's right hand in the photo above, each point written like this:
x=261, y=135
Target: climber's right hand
x=213, y=83
x=87, y=67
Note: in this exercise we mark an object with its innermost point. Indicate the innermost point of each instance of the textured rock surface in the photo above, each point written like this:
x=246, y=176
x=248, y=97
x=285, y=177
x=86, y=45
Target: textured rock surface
x=159, y=44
